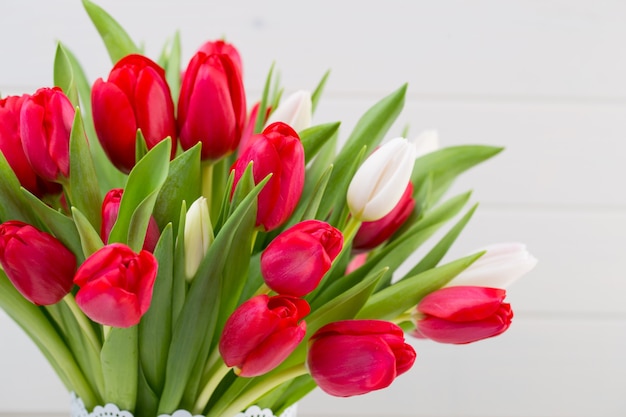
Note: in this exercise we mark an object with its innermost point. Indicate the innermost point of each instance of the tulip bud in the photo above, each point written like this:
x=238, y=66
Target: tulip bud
x=296, y=111
x=136, y=96
x=297, y=259
x=372, y=234
x=262, y=332
x=46, y=122
x=198, y=236
x=37, y=264
x=116, y=285
x=381, y=180
x=355, y=357
x=499, y=267
x=110, y=211
x=225, y=48
x=277, y=151
x=211, y=105
x=461, y=315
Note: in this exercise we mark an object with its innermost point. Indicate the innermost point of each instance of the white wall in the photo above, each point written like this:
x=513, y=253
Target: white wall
x=546, y=79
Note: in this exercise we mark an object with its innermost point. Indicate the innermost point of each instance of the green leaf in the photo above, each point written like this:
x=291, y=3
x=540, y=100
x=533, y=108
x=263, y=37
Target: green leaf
x=117, y=42
x=404, y=295
x=141, y=148
x=315, y=137
x=89, y=238
x=170, y=60
x=120, y=366
x=317, y=93
x=64, y=75
x=84, y=191
x=313, y=204
x=13, y=204
x=260, y=120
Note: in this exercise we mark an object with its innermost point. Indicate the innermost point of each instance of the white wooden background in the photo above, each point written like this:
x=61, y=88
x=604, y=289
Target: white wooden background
x=546, y=79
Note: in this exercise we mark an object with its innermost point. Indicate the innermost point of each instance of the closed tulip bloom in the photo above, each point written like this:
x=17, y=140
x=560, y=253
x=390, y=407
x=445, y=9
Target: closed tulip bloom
x=297, y=259
x=110, y=211
x=381, y=180
x=372, y=234
x=37, y=264
x=262, y=332
x=277, y=151
x=116, y=285
x=198, y=235
x=211, y=105
x=225, y=48
x=464, y=314
x=501, y=265
x=46, y=122
x=296, y=111
x=355, y=357
x=135, y=96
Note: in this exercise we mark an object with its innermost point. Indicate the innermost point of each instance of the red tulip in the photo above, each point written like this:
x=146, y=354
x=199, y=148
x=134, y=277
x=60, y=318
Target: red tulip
x=211, y=105
x=221, y=47
x=110, y=210
x=37, y=264
x=136, y=96
x=46, y=123
x=116, y=285
x=372, y=234
x=297, y=259
x=277, y=151
x=262, y=332
x=463, y=314
x=355, y=357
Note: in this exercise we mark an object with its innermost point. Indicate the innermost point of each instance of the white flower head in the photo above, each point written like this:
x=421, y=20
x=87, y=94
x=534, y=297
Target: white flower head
x=296, y=111
x=198, y=235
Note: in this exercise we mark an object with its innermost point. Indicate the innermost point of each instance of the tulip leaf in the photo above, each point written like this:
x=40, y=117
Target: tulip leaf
x=446, y=164
x=315, y=137
x=141, y=148
x=140, y=194
x=170, y=61
x=64, y=75
x=13, y=203
x=313, y=204
x=317, y=93
x=117, y=42
x=89, y=238
x=121, y=370
x=404, y=295
x=155, y=328
x=84, y=191
x=194, y=330
x=182, y=184
x=179, y=285
x=263, y=105
x=368, y=132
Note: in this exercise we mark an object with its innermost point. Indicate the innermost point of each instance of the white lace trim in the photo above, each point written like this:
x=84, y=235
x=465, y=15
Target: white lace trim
x=77, y=409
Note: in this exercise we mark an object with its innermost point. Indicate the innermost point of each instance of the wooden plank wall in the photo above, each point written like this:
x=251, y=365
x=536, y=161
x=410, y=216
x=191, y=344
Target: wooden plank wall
x=547, y=80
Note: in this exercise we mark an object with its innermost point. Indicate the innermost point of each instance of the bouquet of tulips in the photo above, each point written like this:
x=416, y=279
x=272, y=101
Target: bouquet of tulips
x=167, y=248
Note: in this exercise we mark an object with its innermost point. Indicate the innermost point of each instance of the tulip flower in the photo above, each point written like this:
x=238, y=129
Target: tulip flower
x=277, y=151
x=46, y=122
x=461, y=315
x=116, y=285
x=381, y=180
x=198, y=235
x=372, y=234
x=37, y=264
x=297, y=259
x=262, y=332
x=135, y=96
x=212, y=105
x=296, y=111
x=225, y=48
x=500, y=266
x=110, y=210
x=355, y=357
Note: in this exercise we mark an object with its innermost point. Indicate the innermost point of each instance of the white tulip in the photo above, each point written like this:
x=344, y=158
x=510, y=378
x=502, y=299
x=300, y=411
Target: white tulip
x=380, y=181
x=499, y=267
x=198, y=235
x=296, y=110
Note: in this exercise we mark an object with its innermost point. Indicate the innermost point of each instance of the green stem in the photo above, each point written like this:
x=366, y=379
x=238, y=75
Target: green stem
x=256, y=391
x=207, y=182
x=263, y=289
x=349, y=230
x=215, y=378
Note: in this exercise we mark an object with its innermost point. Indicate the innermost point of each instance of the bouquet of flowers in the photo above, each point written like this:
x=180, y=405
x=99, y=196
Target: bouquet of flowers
x=168, y=249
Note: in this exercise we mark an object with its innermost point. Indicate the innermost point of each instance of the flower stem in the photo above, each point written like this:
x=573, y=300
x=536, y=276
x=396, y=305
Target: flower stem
x=218, y=372
x=83, y=322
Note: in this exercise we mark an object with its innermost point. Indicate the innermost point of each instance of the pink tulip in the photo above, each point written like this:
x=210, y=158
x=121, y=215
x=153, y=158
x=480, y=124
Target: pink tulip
x=463, y=314
x=277, y=151
x=136, y=96
x=212, y=105
x=46, y=122
x=372, y=234
x=116, y=285
x=110, y=210
x=225, y=48
x=355, y=357
x=37, y=264
x=262, y=332
x=297, y=259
